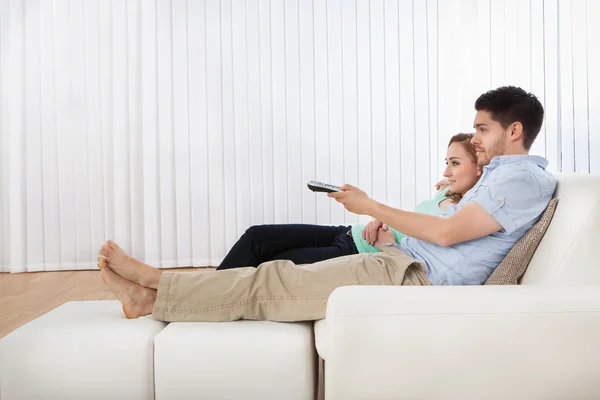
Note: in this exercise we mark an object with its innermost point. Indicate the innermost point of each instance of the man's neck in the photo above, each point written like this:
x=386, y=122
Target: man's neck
x=516, y=152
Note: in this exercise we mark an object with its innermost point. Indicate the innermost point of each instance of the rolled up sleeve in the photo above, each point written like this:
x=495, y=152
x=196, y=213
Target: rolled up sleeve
x=513, y=199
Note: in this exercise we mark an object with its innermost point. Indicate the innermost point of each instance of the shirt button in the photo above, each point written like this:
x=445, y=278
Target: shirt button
x=499, y=201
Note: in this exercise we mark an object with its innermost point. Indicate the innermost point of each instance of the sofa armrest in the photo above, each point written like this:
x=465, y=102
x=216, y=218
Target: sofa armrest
x=517, y=342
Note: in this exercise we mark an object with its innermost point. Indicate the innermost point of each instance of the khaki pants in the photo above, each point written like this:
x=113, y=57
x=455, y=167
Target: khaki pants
x=278, y=290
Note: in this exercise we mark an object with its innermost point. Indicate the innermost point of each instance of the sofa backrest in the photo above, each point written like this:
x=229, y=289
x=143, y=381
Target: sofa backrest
x=568, y=253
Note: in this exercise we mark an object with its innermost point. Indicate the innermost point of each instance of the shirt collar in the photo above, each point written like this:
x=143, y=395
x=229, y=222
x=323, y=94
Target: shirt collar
x=515, y=159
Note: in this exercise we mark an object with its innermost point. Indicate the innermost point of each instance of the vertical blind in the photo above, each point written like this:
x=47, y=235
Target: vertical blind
x=171, y=126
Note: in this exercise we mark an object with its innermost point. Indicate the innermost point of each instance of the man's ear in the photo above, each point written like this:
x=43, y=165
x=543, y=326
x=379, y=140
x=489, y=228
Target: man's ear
x=516, y=130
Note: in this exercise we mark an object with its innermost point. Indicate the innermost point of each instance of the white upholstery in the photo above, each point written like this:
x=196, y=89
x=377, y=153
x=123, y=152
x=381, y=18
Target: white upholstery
x=568, y=253
x=80, y=350
x=539, y=340
x=259, y=360
x=321, y=338
x=478, y=342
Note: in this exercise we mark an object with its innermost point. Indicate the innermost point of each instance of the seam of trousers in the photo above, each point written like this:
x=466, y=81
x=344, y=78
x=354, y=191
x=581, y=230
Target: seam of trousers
x=242, y=303
x=169, y=290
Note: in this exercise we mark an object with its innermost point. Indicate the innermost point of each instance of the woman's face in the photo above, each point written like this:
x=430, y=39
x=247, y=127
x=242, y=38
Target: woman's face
x=461, y=170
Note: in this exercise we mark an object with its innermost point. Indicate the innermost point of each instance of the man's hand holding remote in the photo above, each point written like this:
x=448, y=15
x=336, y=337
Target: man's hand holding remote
x=354, y=200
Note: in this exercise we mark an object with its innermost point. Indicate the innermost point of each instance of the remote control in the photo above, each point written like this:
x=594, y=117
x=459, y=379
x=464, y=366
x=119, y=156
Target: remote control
x=323, y=187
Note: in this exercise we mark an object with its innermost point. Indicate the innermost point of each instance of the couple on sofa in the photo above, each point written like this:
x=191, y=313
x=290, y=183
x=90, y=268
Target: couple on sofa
x=492, y=194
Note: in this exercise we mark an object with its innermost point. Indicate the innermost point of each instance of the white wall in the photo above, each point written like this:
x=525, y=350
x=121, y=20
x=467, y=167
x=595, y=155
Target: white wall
x=172, y=126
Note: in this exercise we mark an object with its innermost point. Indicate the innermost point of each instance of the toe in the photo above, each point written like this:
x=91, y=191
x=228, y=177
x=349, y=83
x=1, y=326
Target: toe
x=101, y=262
x=104, y=252
x=113, y=245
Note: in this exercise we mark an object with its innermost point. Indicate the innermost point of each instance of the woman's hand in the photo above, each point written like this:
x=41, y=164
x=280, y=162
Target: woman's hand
x=371, y=230
x=442, y=184
x=384, y=236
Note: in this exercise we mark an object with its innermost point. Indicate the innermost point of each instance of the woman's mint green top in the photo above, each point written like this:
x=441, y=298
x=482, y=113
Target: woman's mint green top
x=431, y=207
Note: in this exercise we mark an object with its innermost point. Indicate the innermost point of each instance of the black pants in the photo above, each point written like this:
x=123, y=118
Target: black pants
x=300, y=243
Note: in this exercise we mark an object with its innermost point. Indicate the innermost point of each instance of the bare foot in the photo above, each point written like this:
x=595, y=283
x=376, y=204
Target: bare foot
x=137, y=300
x=128, y=267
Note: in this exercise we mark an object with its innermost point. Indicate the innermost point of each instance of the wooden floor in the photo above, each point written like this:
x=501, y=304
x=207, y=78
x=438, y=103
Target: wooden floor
x=26, y=296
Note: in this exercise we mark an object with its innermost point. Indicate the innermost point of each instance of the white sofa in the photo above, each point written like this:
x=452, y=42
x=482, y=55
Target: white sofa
x=89, y=350
x=539, y=340
x=80, y=350
x=252, y=360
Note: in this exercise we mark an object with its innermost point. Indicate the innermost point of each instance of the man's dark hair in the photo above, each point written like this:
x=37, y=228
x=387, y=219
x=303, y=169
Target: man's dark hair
x=508, y=104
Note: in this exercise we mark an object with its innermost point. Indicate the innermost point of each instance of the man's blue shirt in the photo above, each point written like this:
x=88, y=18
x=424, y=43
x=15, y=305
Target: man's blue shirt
x=515, y=190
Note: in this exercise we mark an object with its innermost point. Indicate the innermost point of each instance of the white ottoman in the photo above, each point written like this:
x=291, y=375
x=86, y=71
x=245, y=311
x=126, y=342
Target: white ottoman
x=235, y=360
x=80, y=350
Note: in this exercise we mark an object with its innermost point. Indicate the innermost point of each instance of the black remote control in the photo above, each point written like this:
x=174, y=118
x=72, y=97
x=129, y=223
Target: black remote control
x=323, y=187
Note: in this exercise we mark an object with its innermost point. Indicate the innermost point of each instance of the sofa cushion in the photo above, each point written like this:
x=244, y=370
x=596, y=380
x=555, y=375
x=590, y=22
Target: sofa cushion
x=512, y=268
x=567, y=255
x=235, y=360
x=80, y=350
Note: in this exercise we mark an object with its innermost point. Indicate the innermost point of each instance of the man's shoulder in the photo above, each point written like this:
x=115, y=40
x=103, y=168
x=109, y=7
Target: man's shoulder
x=525, y=178
x=526, y=172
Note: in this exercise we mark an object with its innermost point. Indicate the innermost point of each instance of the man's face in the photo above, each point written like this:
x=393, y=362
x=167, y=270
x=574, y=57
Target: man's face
x=490, y=138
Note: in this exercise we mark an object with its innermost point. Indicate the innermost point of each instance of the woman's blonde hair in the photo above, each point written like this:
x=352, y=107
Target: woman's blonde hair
x=465, y=140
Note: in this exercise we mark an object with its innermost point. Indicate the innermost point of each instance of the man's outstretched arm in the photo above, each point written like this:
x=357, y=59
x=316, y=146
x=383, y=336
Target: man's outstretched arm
x=470, y=222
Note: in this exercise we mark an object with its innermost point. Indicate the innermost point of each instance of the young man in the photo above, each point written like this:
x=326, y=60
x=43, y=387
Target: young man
x=461, y=248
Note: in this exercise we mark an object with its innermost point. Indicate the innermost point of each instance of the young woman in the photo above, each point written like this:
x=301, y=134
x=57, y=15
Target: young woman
x=305, y=244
